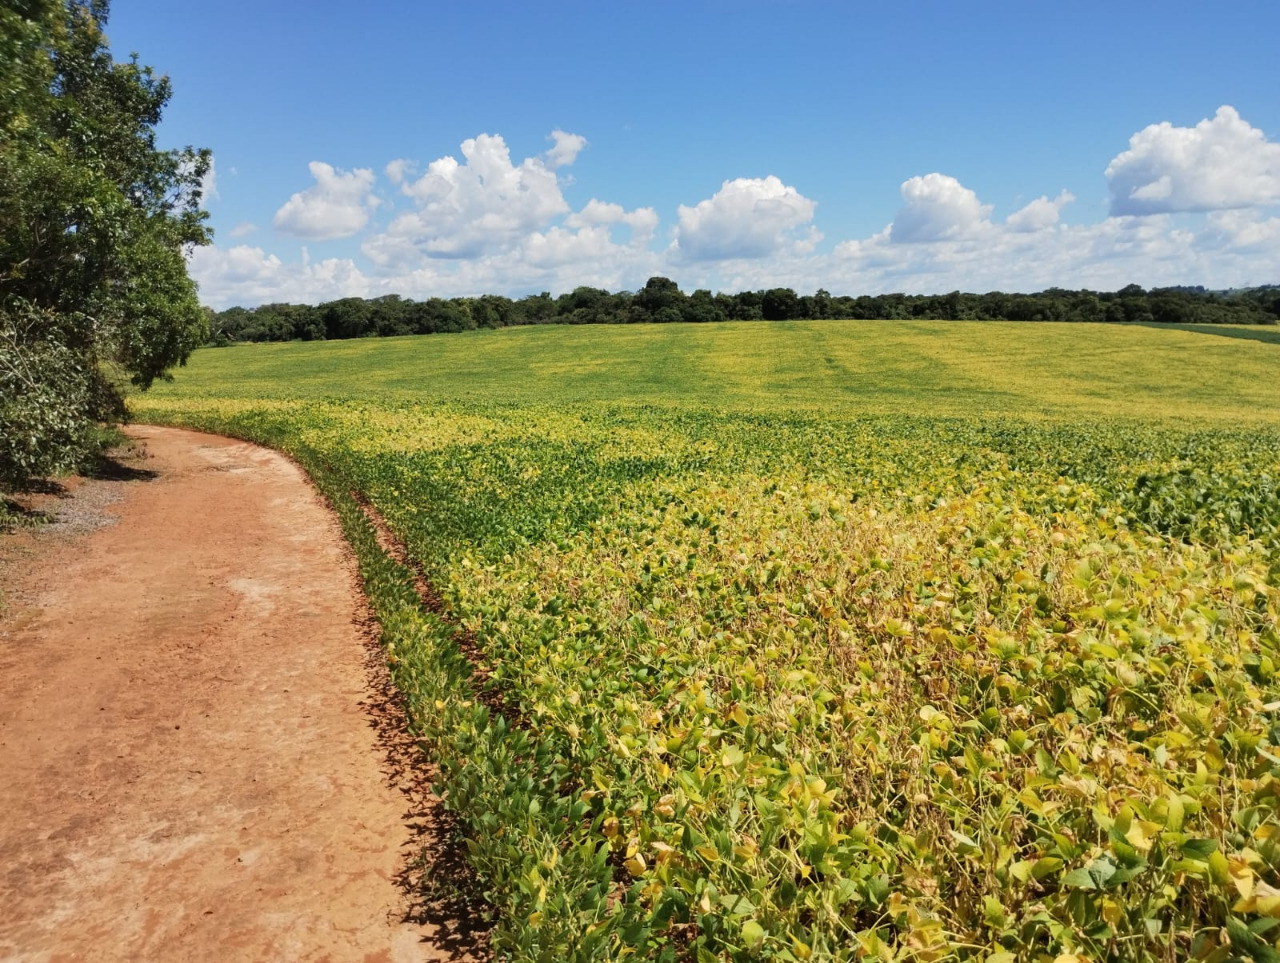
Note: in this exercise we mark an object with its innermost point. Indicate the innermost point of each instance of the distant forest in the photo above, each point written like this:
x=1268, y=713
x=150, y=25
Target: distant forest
x=661, y=301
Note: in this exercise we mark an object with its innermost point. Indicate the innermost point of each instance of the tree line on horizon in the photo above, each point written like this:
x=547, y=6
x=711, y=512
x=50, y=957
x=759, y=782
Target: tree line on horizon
x=661, y=301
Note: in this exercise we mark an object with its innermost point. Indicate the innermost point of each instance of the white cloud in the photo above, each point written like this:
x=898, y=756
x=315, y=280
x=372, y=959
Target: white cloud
x=1107, y=255
x=1230, y=249
x=643, y=221
x=565, y=150
x=596, y=212
x=337, y=205
x=1221, y=163
x=247, y=276
x=560, y=246
x=747, y=218
x=1243, y=232
x=1031, y=250
x=243, y=229
x=555, y=260
x=486, y=223
x=209, y=184
x=936, y=207
x=481, y=206
x=400, y=170
x=558, y=259
x=1040, y=215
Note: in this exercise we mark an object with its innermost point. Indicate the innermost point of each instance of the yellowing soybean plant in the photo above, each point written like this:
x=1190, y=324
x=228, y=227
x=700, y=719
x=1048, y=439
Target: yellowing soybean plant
x=829, y=641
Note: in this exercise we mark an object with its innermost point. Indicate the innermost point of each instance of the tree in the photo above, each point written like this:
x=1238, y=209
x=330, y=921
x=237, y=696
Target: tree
x=535, y=309
x=780, y=304
x=346, y=318
x=490, y=311
x=702, y=307
x=388, y=316
x=660, y=300
x=582, y=305
x=95, y=224
x=822, y=306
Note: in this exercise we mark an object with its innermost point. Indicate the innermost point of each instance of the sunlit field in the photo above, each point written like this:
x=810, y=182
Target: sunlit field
x=821, y=640
x=831, y=368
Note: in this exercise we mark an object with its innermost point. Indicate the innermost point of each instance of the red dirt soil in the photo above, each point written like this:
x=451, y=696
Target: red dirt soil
x=190, y=749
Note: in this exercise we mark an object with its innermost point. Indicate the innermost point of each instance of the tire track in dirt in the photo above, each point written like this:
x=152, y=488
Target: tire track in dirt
x=202, y=756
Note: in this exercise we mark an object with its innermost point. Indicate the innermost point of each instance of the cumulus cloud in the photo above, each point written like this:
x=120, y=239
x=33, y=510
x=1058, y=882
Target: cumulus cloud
x=558, y=259
x=243, y=229
x=1032, y=250
x=1040, y=215
x=749, y=217
x=936, y=207
x=400, y=170
x=643, y=221
x=1106, y=255
x=1230, y=249
x=469, y=209
x=1220, y=164
x=1243, y=232
x=560, y=246
x=337, y=205
x=565, y=149
x=488, y=223
x=249, y=275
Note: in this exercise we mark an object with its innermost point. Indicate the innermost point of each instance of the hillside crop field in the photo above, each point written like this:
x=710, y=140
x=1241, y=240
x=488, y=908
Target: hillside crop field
x=830, y=640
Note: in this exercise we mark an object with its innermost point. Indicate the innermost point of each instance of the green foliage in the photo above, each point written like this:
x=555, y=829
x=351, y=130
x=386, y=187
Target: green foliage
x=45, y=400
x=23, y=68
x=94, y=222
x=660, y=301
x=818, y=684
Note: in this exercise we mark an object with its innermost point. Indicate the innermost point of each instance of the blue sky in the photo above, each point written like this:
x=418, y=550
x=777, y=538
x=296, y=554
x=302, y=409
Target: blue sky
x=861, y=147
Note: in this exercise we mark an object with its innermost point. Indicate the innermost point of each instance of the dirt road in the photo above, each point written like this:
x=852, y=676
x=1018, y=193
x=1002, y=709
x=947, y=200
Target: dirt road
x=193, y=765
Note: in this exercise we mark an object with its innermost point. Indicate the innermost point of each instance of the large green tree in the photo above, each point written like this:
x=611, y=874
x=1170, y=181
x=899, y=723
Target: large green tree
x=95, y=225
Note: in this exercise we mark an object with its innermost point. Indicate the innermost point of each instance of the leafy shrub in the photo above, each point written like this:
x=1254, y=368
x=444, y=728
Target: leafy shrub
x=45, y=400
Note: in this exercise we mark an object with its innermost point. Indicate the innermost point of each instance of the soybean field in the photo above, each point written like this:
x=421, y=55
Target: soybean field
x=824, y=640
